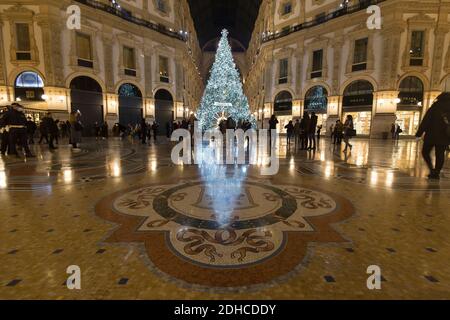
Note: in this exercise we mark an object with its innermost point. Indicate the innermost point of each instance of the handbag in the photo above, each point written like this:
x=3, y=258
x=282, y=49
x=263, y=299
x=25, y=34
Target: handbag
x=351, y=132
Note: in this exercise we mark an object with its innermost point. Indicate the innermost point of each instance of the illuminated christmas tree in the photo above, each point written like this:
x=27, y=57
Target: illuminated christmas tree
x=223, y=96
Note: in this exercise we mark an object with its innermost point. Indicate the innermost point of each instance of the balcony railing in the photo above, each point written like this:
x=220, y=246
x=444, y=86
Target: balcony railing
x=362, y=5
x=125, y=15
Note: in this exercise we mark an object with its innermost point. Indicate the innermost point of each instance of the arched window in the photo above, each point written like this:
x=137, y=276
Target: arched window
x=358, y=94
x=411, y=92
x=29, y=86
x=84, y=83
x=129, y=90
x=357, y=88
x=283, y=103
x=316, y=99
x=163, y=95
x=29, y=79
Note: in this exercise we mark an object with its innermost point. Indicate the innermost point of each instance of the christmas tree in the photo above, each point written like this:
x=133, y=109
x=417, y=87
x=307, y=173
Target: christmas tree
x=223, y=96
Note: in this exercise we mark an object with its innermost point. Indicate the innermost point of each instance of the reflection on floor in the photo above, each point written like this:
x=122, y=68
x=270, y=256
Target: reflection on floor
x=140, y=227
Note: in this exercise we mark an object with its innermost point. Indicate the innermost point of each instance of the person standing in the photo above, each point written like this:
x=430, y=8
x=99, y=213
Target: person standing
x=31, y=130
x=304, y=129
x=289, y=132
x=393, y=129
x=273, y=121
x=398, y=130
x=348, y=132
x=319, y=129
x=17, y=123
x=297, y=133
x=332, y=134
x=155, y=130
x=4, y=131
x=312, y=132
x=105, y=130
x=76, y=129
x=436, y=127
x=143, y=131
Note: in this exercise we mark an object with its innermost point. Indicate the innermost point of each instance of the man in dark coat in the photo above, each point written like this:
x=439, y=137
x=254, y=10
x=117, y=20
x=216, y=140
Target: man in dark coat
x=52, y=129
x=4, y=131
x=144, y=131
x=304, y=130
x=17, y=122
x=435, y=125
x=31, y=129
x=312, y=132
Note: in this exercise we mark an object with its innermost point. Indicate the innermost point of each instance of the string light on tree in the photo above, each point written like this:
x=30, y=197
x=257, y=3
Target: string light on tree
x=223, y=96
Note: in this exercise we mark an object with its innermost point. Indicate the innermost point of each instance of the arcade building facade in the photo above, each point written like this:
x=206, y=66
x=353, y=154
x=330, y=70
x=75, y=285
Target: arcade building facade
x=128, y=61
x=320, y=55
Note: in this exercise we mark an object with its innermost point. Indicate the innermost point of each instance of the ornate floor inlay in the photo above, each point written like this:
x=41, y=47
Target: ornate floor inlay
x=188, y=237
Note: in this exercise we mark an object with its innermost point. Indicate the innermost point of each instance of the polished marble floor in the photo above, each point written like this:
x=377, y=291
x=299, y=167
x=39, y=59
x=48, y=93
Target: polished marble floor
x=140, y=227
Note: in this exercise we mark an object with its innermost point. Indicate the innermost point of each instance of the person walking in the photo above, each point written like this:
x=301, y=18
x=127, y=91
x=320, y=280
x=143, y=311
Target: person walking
x=348, y=132
x=338, y=129
x=393, y=129
x=31, y=130
x=332, y=133
x=43, y=130
x=312, y=132
x=436, y=127
x=52, y=130
x=76, y=129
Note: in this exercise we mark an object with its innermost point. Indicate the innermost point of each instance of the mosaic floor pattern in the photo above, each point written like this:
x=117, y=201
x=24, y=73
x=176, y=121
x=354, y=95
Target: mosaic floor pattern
x=140, y=227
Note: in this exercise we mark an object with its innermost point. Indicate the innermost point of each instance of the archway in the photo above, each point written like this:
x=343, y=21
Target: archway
x=164, y=113
x=283, y=109
x=86, y=96
x=130, y=104
x=358, y=102
x=411, y=92
x=28, y=86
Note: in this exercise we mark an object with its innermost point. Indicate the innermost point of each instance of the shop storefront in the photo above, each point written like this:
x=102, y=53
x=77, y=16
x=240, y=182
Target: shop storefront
x=409, y=108
x=316, y=100
x=358, y=102
x=283, y=110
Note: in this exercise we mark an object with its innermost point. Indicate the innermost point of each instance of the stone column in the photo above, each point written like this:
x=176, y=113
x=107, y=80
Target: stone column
x=4, y=92
x=108, y=45
x=3, y=78
x=437, y=61
x=298, y=73
x=384, y=105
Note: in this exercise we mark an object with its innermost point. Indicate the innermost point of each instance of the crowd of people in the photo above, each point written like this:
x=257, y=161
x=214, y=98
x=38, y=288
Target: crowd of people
x=305, y=132
x=19, y=132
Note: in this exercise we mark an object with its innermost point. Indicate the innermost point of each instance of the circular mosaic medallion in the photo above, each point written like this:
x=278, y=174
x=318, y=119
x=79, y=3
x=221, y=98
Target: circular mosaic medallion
x=209, y=235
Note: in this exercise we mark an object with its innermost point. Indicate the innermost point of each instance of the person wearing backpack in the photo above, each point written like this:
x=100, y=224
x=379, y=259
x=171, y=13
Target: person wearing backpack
x=436, y=127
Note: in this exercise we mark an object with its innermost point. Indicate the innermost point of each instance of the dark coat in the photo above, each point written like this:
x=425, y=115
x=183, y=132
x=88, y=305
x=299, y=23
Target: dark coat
x=433, y=124
x=50, y=126
x=313, y=124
